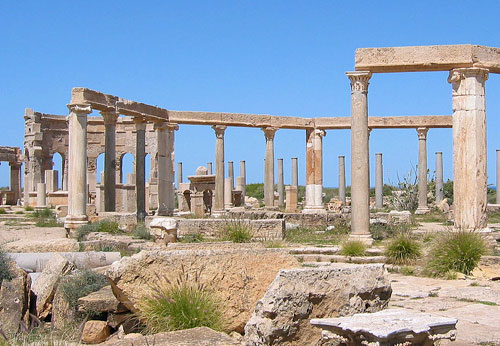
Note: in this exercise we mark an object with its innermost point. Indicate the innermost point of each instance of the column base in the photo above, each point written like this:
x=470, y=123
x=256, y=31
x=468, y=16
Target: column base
x=314, y=210
x=72, y=223
x=364, y=238
x=422, y=211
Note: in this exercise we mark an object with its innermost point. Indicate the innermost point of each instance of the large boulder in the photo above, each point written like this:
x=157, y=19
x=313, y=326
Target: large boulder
x=95, y=332
x=297, y=295
x=14, y=300
x=239, y=277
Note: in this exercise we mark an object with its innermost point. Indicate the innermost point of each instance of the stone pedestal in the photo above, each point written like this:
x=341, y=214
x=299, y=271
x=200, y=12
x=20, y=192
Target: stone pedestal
x=197, y=205
x=41, y=196
x=342, y=185
x=422, y=171
x=379, y=182
x=291, y=199
x=281, y=185
x=109, y=182
x=219, y=167
x=314, y=171
x=439, y=177
x=269, y=133
x=469, y=147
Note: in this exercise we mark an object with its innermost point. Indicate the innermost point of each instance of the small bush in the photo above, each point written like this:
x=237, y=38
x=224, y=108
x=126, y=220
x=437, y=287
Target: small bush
x=3, y=211
x=81, y=284
x=183, y=304
x=43, y=213
x=19, y=212
x=237, y=231
x=403, y=250
x=107, y=226
x=192, y=238
x=5, y=273
x=353, y=248
x=141, y=232
x=50, y=222
x=28, y=208
x=381, y=232
x=456, y=251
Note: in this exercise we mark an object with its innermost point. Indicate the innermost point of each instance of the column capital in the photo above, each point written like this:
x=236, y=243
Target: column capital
x=422, y=132
x=162, y=126
x=359, y=80
x=458, y=74
x=109, y=117
x=15, y=164
x=140, y=123
x=219, y=130
x=319, y=132
x=80, y=109
x=269, y=132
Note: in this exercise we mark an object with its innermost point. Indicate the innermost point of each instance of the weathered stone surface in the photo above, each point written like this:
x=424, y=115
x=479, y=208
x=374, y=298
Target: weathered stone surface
x=399, y=216
x=202, y=336
x=238, y=277
x=164, y=229
x=95, y=332
x=116, y=320
x=52, y=245
x=62, y=311
x=45, y=285
x=14, y=300
x=98, y=240
x=297, y=295
x=101, y=301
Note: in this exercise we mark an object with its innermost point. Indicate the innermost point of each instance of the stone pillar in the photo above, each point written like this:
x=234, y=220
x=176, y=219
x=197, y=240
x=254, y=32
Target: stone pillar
x=219, y=167
x=422, y=171
x=51, y=178
x=439, y=177
x=243, y=176
x=110, y=119
x=179, y=174
x=15, y=180
x=41, y=196
x=65, y=171
x=281, y=185
x=360, y=184
x=91, y=177
x=314, y=171
x=77, y=162
x=379, y=182
x=228, y=194
x=140, y=167
x=230, y=172
x=165, y=143
x=291, y=199
x=295, y=172
x=498, y=177
x=469, y=147
x=342, y=186
x=209, y=168
x=269, y=133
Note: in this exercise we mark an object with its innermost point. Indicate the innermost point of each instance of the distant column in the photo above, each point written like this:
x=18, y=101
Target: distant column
x=165, y=144
x=243, y=176
x=439, y=177
x=295, y=172
x=209, y=168
x=140, y=167
x=228, y=194
x=219, y=167
x=281, y=185
x=360, y=185
x=179, y=174
x=498, y=176
x=422, y=171
x=342, y=186
x=41, y=195
x=15, y=180
x=110, y=118
x=230, y=172
x=379, y=182
x=269, y=133
x=314, y=171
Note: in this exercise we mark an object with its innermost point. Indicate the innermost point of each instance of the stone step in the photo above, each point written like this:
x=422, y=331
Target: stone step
x=340, y=259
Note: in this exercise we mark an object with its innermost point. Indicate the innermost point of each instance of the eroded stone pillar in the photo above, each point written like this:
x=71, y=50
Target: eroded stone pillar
x=65, y=174
x=219, y=167
x=439, y=177
x=51, y=178
x=281, y=185
x=15, y=180
x=166, y=192
x=342, y=179
x=230, y=172
x=269, y=133
x=41, y=196
x=77, y=162
x=291, y=199
x=422, y=171
x=469, y=147
x=140, y=167
x=209, y=168
x=110, y=119
x=243, y=181
x=179, y=174
x=295, y=172
x=360, y=184
x=379, y=182
x=314, y=171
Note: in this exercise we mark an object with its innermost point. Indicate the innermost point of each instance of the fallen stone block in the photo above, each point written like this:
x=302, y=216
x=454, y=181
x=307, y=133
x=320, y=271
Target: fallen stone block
x=14, y=300
x=101, y=301
x=164, y=229
x=95, y=332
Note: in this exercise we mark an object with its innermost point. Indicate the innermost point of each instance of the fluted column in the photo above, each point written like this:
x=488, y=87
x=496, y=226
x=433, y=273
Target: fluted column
x=219, y=167
x=110, y=118
x=77, y=180
x=379, y=182
x=140, y=167
x=422, y=171
x=269, y=133
x=469, y=147
x=360, y=184
x=166, y=144
x=314, y=171
x=342, y=179
x=439, y=177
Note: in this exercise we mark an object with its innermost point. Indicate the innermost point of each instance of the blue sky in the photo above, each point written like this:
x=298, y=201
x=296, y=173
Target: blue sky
x=270, y=57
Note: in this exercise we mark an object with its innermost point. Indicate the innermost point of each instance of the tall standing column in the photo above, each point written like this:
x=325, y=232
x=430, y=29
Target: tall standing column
x=230, y=173
x=140, y=167
x=439, y=177
x=379, y=182
x=15, y=180
x=342, y=179
x=269, y=133
x=166, y=193
x=243, y=175
x=219, y=167
x=77, y=180
x=295, y=172
x=281, y=185
x=360, y=184
x=65, y=170
x=498, y=177
x=314, y=171
x=422, y=171
x=469, y=147
x=110, y=118
x=179, y=174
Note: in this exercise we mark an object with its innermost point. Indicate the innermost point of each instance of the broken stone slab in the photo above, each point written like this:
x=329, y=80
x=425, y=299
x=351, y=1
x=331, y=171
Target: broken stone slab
x=164, y=229
x=101, y=301
x=389, y=327
x=62, y=311
x=45, y=286
x=297, y=295
x=396, y=217
x=95, y=332
x=14, y=300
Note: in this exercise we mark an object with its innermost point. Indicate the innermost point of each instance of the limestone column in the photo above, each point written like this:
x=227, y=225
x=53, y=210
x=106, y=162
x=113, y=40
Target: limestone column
x=15, y=180
x=41, y=196
x=469, y=147
x=314, y=170
x=140, y=167
x=165, y=143
x=230, y=172
x=422, y=171
x=295, y=172
x=77, y=162
x=379, y=182
x=179, y=174
x=439, y=177
x=360, y=185
x=243, y=176
x=209, y=168
x=219, y=167
x=110, y=118
x=91, y=177
x=228, y=194
x=269, y=133
x=498, y=177
x=65, y=172
x=342, y=186
x=281, y=185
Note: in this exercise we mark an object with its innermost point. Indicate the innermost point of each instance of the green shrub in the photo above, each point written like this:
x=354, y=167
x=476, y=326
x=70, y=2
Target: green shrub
x=107, y=226
x=81, y=284
x=237, y=231
x=5, y=273
x=48, y=222
x=192, y=238
x=456, y=251
x=3, y=211
x=318, y=235
x=381, y=232
x=43, y=213
x=28, y=208
x=141, y=232
x=19, y=212
x=353, y=248
x=178, y=305
x=403, y=250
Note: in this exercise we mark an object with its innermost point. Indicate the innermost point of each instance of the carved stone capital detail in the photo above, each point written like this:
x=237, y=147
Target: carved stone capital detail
x=80, y=109
x=92, y=164
x=422, y=132
x=269, y=132
x=319, y=132
x=219, y=130
x=359, y=80
x=109, y=117
x=459, y=74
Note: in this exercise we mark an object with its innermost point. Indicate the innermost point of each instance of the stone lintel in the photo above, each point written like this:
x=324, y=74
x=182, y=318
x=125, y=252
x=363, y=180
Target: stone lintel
x=427, y=58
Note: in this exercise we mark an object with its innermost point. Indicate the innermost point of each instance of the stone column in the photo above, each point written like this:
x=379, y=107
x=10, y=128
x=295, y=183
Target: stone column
x=209, y=168
x=243, y=176
x=295, y=172
x=281, y=185
x=179, y=174
x=498, y=177
x=422, y=171
x=469, y=147
x=110, y=118
x=230, y=173
x=228, y=194
x=342, y=186
x=51, y=178
x=91, y=177
x=77, y=162
x=269, y=133
x=140, y=167
x=314, y=171
x=15, y=180
x=65, y=172
x=41, y=196
x=219, y=167
x=439, y=177
x=291, y=199
x=379, y=182
x=166, y=192
x=360, y=184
